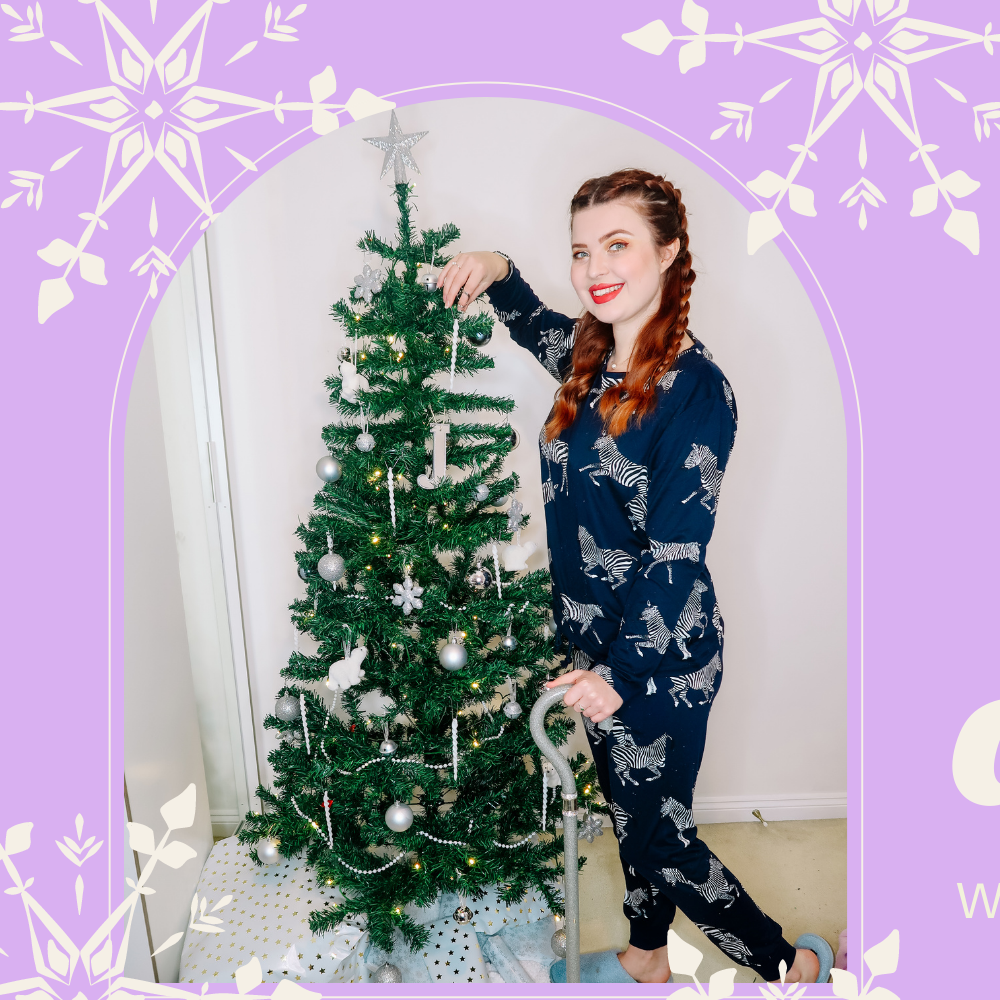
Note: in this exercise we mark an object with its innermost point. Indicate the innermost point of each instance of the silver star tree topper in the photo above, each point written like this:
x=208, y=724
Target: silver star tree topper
x=396, y=147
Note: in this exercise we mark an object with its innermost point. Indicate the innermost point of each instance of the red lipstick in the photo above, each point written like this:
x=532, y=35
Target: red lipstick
x=605, y=293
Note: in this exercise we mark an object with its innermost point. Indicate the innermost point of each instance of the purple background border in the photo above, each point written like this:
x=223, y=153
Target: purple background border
x=912, y=305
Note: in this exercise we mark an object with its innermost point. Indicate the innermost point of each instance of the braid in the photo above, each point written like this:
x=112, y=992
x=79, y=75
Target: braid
x=656, y=348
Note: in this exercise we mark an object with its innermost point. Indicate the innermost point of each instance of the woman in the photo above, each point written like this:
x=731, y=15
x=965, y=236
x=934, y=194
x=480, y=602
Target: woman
x=633, y=454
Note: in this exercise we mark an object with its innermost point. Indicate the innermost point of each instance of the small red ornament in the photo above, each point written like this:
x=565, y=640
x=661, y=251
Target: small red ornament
x=352, y=727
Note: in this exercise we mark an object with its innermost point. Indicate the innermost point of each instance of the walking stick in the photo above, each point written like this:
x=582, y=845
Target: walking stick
x=568, y=782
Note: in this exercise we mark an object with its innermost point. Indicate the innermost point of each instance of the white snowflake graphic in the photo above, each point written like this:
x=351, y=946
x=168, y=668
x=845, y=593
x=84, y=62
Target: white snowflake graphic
x=845, y=71
x=155, y=110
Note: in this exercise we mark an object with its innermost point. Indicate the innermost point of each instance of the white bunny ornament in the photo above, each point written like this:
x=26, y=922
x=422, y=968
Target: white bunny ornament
x=347, y=672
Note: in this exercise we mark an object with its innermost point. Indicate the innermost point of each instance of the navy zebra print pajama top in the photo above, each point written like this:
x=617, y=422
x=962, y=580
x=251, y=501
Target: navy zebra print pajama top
x=628, y=521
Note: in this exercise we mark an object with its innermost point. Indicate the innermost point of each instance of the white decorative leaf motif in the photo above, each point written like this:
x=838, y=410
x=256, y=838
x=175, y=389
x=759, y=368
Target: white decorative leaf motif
x=763, y=226
x=58, y=960
x=800, y=199
x=684, y=957
x=845, y=984
x=691, y=55
x=140, y=838
x=57, y=253
x=249, y=976
x=53, y=295
x=959, y=183
x=179, y=812
x=323, y=85
x=286, y=990
x=169, y=943
x=92, y=269
x=925, y=200
x=18, y=838
x=652, y=38
x=766, y=184
x=721, y=984
x=694, y=18
x=176, y=854
x=361, y=104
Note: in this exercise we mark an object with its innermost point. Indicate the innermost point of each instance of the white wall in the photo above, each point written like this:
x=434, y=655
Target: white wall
x=503, y=170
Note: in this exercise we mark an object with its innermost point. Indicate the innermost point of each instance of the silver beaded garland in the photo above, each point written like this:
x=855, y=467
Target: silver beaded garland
x=267, y=850
x=462, y=915
x=399, y=817
x=329, y=469
x=388, y=974
x=287, y=708
x=364, y=442
x=558, y=943
x=453, y=656
x=331, y=567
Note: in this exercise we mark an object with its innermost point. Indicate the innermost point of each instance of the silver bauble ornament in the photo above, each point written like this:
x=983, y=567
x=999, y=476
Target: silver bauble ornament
x=515, y=438
x=267, y=850
x=304, y=574
x=482, y=492
x=480, y=578
x=344, y=354
x=551, y=623
x=331, y=567
x=364, y=442
x=329, y=469
x=509, y=643
x=512, y=710
x=558, y=943
x=430, y=280
x=453, y=656
x=399, y=817
x=388, y=974
x=287, y=708
x=462, y=915
x=479, y=338
x=388, y=747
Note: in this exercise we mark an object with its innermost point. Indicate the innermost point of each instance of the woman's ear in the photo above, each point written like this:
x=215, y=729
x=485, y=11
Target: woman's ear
x=668, y=254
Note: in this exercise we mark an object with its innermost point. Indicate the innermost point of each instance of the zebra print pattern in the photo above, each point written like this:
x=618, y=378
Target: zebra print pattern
x=658, y=636
x=716, y=887
x=717, y=622
x=728, y=942
x=668, y=552
x=557, y=451
x=507, y=317
x=614, y=562
x=627, y=755
x=634, y=898
x=554, y=345
x=598, y=389
x=701, y=680
x=681, y=817
x=711, y=476
x=667, y=382
x=582, y=614
x=613, y=464
x=619, y=818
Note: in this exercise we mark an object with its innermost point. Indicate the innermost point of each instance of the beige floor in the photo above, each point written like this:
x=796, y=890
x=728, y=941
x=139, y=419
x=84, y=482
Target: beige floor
x=795, y=871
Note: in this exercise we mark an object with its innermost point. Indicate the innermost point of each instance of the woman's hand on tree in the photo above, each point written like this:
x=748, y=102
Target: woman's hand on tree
x=590, y=694
x=471, y=273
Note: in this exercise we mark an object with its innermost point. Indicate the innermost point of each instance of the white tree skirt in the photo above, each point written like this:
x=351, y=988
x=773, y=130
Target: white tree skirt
x=268, y=917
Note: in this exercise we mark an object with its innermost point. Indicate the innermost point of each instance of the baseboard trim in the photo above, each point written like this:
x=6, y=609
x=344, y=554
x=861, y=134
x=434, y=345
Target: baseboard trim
x=224, y=824
x=739, y=809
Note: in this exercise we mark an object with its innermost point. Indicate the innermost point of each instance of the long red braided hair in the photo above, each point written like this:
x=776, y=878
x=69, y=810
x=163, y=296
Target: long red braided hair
x=658, y=343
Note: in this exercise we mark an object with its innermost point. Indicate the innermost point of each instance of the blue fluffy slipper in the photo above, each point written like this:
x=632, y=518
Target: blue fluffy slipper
x=598, y=967
x=823, y=952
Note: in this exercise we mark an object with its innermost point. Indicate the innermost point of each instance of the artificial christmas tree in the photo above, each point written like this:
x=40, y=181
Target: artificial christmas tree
x=441, y=789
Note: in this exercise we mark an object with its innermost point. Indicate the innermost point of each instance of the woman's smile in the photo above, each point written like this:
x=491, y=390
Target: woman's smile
x=605, y=293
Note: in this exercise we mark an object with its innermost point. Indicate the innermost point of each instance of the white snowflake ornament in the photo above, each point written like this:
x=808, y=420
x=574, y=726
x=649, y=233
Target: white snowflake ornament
x=368, y=282
x=407, y=595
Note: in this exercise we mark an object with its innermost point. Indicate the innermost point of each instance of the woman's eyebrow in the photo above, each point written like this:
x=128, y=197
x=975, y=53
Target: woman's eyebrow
x=614, y=232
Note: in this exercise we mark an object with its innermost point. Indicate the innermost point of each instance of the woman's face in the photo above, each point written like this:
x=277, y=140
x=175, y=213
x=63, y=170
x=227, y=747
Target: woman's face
x=617, y=269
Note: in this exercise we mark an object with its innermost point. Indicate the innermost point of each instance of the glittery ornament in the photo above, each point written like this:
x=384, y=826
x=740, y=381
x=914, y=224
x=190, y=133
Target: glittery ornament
x=515, y=516
x=368, y=282
x=344, y=354
x=558, y=943
x=509, y=643
x=482, y=492
x=331, y=567
x=454, y=655
x=267, y=850
x=364, y=442
x=329, y=469
x=287, y=708
x=407, y=595
x=388, y=747
x=478, y=338
x=388, y=974
x=512, y=709
x=396, y=147
x=591, y=827
x=462, y=915
x=399, y=817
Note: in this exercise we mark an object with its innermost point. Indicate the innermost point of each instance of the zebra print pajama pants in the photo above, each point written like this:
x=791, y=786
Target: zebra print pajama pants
x=647, y=765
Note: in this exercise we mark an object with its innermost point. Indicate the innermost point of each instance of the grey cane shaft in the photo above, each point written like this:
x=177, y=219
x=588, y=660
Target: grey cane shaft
x=568, y=780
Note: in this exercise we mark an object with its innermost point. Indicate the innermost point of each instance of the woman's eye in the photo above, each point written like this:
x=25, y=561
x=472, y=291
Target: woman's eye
x=579, y=255
x=618, y=243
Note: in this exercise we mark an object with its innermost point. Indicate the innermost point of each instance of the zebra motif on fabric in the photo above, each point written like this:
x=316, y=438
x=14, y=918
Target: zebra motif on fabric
x=599, y=388
x=508, y=317
x=658, y=636
x=619, y=818
x=614, y=562
x=627, y=755
x=716, y=887
x=553, y=345
x=582, y=614
x=703, y=458
x=667, y=382
x=604, y=672
x=554, y=451
x=717, y=622
x=680, y=816
x=668, y=552
x=613, y=464
x=634, y=898
x=701, y=680
x=729, y=943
